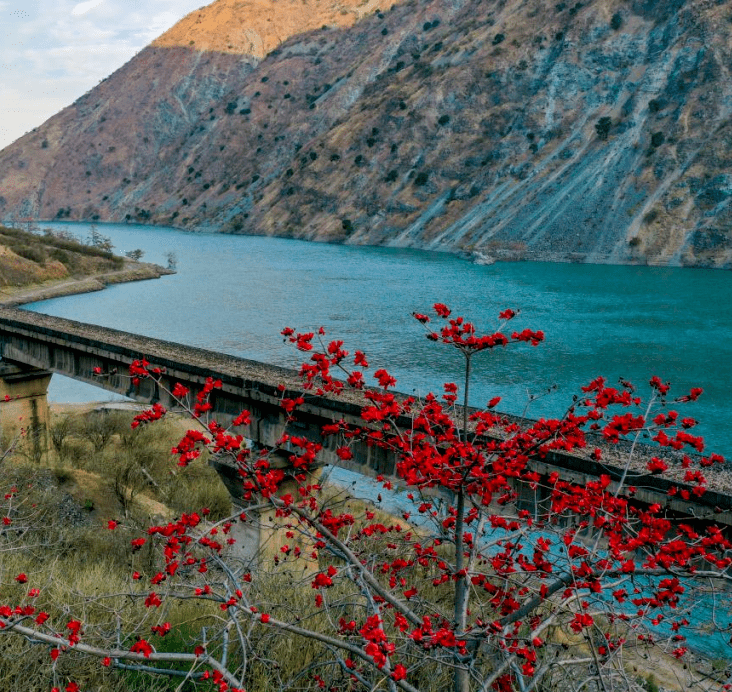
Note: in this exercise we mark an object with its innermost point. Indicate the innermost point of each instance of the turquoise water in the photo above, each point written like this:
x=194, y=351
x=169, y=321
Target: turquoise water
x=234, y=294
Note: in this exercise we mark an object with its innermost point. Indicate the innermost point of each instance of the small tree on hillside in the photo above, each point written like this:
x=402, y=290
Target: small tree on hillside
x=99, y=241
x=602, y=127
x=135, y=255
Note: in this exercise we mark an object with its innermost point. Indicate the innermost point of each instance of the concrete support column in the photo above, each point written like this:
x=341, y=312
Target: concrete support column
x=260, y=538
x=24, y=408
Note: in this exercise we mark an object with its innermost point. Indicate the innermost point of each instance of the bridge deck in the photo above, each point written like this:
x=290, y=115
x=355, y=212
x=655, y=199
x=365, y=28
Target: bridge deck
x=136, y=346
x=75, y=349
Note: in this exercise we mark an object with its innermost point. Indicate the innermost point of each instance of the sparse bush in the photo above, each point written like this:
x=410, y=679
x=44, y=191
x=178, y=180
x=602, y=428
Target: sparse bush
x=650, y=216
x=421, y=178
x=34, y=253
x=602, y=127
x=616, y=21
x=63, y=257
x=59, y=432
x=99, y=427
x=135, y=255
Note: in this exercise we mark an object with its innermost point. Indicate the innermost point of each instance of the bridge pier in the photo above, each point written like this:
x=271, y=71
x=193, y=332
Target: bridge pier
x=24, y=407
x=262, y=535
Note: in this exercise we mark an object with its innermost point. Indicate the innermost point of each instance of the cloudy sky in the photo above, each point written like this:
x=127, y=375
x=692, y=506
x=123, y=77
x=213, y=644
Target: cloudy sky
x=53, y=51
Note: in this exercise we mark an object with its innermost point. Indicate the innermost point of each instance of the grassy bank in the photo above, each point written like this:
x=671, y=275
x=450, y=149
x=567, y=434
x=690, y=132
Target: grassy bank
x=98, y=469
x=41, y=266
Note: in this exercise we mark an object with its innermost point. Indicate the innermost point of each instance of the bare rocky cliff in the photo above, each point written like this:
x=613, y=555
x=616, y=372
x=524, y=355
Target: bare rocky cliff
x=591, y=131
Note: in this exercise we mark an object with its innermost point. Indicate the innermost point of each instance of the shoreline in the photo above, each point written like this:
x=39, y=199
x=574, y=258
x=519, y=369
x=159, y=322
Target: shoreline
x=481, y=256
x=13, y=296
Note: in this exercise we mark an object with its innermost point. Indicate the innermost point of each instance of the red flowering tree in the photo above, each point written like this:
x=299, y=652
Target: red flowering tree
x=501, y=572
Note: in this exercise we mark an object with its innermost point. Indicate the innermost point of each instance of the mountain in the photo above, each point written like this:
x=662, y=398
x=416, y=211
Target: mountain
x=593, y=131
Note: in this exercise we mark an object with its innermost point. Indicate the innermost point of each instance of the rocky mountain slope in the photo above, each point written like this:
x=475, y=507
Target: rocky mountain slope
x=592, y=131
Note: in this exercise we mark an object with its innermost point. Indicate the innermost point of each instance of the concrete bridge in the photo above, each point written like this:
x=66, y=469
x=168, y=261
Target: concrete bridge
x=34, y=346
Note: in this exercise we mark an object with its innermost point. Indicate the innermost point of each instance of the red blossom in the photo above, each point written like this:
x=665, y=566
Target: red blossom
x=399, y=672
x=141, y=646
x=179, y=391
x=153, y=600
x=384, y=378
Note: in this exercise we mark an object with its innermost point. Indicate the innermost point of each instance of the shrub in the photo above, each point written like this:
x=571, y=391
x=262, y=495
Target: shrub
x=602, y=127
x=650, y=216
x=421, y=178
x=34, y=253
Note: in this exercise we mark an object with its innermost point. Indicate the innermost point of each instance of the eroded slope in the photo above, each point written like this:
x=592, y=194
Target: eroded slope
x=596, y=131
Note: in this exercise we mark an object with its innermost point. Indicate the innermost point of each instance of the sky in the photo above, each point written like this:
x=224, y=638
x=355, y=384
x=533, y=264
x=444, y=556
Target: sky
x=53, y=51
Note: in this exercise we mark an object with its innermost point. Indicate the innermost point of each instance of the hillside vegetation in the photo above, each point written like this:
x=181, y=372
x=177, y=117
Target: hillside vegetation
x=591, y=131
x=98, y=469
x=28, y=258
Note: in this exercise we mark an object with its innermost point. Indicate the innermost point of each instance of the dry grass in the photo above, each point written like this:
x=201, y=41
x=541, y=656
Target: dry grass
x=135, y=464
x=98, y=470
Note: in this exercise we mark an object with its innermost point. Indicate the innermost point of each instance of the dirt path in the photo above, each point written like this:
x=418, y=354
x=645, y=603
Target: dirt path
x=133, y=271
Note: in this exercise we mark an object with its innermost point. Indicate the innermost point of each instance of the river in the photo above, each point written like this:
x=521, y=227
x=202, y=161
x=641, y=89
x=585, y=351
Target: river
x=235, y=293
